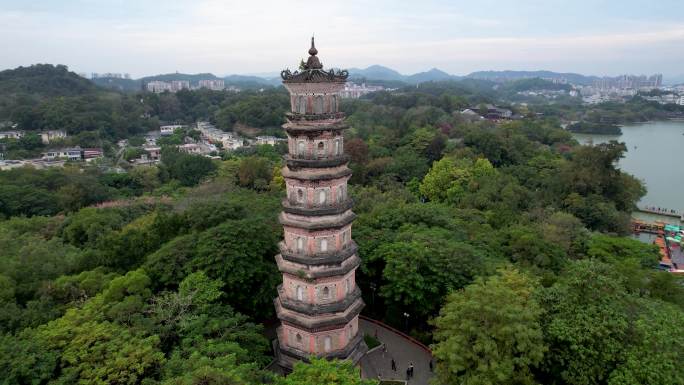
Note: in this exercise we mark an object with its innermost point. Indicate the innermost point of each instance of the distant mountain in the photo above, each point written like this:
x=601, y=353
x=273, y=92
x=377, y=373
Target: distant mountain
x=501, y=76
x=244, y=81
x=376, y=72
x=432, y=75
x=44, y=80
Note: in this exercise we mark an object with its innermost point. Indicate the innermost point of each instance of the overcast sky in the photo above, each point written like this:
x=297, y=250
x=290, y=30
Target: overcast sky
x=143, y=37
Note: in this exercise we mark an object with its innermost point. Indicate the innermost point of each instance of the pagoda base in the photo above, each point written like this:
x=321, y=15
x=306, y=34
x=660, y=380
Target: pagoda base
x=286, y=358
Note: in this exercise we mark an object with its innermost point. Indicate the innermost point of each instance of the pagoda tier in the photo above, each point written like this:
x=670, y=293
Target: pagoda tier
x=318, y=302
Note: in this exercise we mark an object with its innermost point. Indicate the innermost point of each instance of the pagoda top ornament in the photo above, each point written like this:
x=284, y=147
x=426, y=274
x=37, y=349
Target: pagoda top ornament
x=313, y=72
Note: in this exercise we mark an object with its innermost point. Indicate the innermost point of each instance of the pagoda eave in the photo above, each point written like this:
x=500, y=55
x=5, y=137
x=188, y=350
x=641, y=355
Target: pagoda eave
x=314, y=272
x=320, y=258
x=319, y=322
x=316, y=174
x=323, y=222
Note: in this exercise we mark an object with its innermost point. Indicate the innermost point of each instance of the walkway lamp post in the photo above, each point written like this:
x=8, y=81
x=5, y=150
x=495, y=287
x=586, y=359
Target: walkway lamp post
x=406, y=316
x=373, y=287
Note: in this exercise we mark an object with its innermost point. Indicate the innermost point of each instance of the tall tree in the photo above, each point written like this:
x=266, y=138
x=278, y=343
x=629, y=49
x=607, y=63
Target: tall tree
x=322, y=372
x=490, y=333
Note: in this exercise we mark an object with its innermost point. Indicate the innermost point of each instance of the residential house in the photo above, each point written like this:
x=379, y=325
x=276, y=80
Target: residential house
x=92, y=153
x=197, y=148
x=153, y=152
x=270, y=140
x=169, y=130
x=75, y=153
x=14, y=134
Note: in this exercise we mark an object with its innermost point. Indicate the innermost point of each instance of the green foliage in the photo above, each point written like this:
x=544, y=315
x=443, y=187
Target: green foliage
x=587, y=323
x=255, y=172
x=370, y=341
x=419, y=268
x=490, y=332
x=323, y=372
x=448, y=179
x=619, y=250
x=262, y=109
x=187, y=169
x=25, y=359
x=26, y=191
x=239, y=253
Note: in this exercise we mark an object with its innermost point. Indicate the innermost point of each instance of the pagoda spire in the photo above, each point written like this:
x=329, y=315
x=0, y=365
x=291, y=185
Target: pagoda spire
x=313, y=63
x=313, y=51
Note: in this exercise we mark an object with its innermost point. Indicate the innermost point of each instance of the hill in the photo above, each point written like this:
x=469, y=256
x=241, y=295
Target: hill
x=376, y=72
x=118, y=84
x=430, y=76
x=244, y=81
x=533, y=84
x=502, y=76
x=43, y=80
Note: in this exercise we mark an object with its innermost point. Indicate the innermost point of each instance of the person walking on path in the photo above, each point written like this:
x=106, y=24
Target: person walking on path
x=430, y=365
x=408, y=373
x=394, y=365
x=411, y=369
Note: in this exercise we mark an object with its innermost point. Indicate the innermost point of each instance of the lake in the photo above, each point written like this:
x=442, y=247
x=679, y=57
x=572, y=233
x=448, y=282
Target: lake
x=654, y=155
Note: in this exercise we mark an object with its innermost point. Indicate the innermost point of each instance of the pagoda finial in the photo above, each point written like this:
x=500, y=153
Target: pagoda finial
x=313, y=63
x=313, y=51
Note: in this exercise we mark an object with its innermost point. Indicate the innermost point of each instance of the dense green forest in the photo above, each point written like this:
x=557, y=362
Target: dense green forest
x=505, y=242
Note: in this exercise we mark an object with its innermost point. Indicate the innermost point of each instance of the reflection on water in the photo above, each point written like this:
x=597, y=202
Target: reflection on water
x=653, y=156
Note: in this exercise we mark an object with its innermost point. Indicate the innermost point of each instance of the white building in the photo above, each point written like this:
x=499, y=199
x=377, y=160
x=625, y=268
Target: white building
x=11, y=134
x=228, y=140
x=355, y=91
x=52, y=135
x=197, y=148
x=158, y=87
x=169, y=130
x=75, y=153
x=270, y=140
x=213, y=84
x=177, y=85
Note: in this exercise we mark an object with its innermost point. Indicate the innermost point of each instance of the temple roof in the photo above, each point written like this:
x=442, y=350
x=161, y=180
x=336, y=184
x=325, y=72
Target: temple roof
x=312, y=71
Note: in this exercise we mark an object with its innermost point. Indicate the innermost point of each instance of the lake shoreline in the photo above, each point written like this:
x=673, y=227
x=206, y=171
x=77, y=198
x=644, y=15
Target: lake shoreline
x=620, y=125
x=653, y=155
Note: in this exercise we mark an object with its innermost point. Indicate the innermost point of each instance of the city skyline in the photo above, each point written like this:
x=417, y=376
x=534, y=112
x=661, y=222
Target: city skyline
x=227, y=37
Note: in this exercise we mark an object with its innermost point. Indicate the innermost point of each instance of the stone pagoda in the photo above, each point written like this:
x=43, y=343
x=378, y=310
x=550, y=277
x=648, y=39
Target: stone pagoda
x=318, y=302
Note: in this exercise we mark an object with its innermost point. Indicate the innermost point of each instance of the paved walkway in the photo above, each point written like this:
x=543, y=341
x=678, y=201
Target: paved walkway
x=404, y=352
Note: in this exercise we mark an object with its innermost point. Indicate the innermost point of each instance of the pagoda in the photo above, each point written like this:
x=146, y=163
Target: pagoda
x=318, y=303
